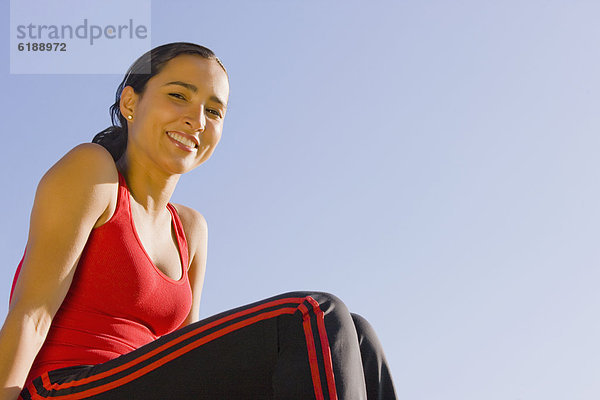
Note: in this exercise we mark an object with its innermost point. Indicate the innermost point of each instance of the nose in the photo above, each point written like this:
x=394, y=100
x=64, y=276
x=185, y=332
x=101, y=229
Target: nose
x=196, y=119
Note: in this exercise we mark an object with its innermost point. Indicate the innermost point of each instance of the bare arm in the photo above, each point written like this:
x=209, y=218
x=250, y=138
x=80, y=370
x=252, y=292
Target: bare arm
x=69, y=200
x=196, y=231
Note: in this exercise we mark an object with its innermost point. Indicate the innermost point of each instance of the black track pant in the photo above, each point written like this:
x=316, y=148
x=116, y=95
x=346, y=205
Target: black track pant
x=298, y=345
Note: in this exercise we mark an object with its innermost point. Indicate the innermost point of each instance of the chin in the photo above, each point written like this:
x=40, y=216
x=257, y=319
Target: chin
x=184, y=168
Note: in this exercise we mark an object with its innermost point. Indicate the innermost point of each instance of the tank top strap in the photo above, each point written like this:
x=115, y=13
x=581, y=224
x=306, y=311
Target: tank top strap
x=122, y=199
x=181, y=240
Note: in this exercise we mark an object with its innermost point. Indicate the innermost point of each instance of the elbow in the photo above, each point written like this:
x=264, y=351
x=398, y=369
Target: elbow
x=36, y=322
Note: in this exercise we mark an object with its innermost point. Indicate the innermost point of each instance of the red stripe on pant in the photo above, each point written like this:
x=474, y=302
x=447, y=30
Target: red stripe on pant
x=312, y=353
x=325, y=346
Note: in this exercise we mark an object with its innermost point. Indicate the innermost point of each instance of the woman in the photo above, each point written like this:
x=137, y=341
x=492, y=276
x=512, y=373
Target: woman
x=105, y=302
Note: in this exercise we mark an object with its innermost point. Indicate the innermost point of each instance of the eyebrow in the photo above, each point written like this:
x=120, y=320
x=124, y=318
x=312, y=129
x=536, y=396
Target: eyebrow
x=194, y=89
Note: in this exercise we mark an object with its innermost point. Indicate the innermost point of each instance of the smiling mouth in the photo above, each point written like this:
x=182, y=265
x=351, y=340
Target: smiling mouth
x=183, y=140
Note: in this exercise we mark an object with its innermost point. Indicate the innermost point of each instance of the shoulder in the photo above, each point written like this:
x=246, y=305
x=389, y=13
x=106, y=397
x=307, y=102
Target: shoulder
x=87, y=159
x=86, y=175
x=194, y=226
x=193, y=221
x=87, y=162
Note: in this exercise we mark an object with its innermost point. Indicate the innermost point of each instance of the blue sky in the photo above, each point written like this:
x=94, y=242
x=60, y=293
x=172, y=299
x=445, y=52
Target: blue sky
x=434, y=164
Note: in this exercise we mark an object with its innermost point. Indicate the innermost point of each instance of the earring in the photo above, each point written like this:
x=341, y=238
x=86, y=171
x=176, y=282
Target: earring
x=130, y=117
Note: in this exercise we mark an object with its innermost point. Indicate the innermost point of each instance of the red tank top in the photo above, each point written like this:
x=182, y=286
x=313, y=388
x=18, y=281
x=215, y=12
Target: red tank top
x=118, y=300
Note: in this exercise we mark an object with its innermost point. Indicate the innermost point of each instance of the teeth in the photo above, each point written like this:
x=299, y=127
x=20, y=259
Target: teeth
x=181, y=139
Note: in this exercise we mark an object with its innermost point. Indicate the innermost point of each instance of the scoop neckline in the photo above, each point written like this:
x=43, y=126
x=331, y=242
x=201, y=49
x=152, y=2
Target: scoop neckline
x=171, y=210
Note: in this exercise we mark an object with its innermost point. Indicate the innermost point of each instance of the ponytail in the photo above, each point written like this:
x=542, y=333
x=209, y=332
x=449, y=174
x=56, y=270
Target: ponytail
x=113, y=139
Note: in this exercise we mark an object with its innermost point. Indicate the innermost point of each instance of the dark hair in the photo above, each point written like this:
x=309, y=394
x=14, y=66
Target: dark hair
x=114, y=138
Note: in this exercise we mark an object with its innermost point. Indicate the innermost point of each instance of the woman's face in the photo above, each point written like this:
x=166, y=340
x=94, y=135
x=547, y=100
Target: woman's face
x=178, y=120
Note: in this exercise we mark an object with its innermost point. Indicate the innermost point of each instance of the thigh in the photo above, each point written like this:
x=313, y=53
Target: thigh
x=226, y=356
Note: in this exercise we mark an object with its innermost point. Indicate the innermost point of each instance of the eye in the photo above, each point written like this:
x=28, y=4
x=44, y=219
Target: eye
x=215, y=112
x=177, y=95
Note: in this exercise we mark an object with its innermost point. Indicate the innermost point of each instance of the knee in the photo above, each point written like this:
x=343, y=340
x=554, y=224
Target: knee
x=322, y=298
x=327, y=302
x=365, y=332
x=330, y=306
x=362, y=325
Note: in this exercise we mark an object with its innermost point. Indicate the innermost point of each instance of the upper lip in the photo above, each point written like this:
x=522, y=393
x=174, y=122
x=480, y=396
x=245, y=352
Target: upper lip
x=188, y=136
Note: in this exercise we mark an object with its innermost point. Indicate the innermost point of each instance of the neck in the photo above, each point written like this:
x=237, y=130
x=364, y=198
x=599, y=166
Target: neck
x=149, y=188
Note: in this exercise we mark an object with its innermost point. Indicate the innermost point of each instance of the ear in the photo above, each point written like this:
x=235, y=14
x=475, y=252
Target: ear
x=128, y=101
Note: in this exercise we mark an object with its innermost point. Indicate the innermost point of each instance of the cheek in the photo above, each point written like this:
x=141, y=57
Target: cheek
x=212, y=136
x=162, y=111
